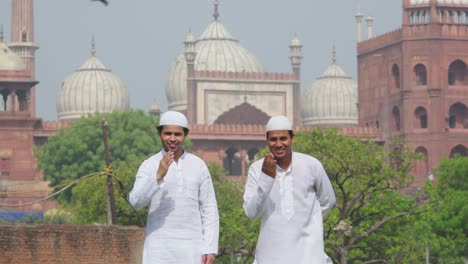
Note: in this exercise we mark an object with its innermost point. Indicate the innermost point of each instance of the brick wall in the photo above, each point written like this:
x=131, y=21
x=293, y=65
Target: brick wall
x=70, y=244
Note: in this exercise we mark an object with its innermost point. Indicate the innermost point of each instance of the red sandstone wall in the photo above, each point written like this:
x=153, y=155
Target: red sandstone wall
x=70, y=244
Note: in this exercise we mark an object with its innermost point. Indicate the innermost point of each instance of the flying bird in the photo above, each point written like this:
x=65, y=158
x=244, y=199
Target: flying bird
x=102, y=1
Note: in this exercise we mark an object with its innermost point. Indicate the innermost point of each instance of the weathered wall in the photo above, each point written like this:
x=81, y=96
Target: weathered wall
x=70, y=244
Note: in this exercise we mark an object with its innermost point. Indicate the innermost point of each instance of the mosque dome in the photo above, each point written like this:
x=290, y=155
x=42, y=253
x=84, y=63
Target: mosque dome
x=154, y=109
x=9, y=60
x=91, y=89
x=216, y=50
x=331, y=99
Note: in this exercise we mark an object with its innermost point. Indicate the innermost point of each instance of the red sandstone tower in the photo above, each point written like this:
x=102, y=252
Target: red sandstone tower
x=20, y=130
x=413, y=82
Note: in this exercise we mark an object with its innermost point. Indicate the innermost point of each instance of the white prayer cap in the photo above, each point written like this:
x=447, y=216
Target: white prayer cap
x=173, y=118
x=278, y=123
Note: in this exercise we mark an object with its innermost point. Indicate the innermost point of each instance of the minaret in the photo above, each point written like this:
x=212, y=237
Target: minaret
x=22, y=32
x=22, y=41
x=359, y=17
x=191, y=93
x=295, y=55
x=370, y=22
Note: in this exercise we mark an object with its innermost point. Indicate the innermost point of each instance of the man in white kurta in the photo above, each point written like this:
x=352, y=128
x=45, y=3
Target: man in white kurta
x=182, y=223
x=290, y=192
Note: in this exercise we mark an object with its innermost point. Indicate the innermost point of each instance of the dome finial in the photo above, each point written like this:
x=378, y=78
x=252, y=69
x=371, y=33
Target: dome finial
x=93, y=46
x=1, y=32
x=334, y=54
x=216, y=13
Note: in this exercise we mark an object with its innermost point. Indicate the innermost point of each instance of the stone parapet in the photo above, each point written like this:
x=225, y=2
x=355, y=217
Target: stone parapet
x=227, y=132
x=253, y=76
x=15, y=76
x=380, y=41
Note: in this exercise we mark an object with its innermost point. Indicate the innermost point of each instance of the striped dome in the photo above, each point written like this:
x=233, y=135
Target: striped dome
x=216, y=50
x=91, y=89
x=331, y=99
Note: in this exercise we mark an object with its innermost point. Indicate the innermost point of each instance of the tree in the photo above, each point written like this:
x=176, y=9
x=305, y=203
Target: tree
x=78, y=150
x=89, y=198
x=238, y=234
x=367, y=179
x=448, y=218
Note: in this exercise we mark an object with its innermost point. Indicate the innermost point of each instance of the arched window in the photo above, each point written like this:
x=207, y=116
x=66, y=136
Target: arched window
x=421, y=167
x=396, y=119
x=456, y=17
x=456, y=73
x=396, y=76
x=459, y=150
x=458, y=116
x=24, y=36
x=420, y=74
x=252, y=154
x=420, y=115
x=232, y=162
x=463, y=17
x=22, y=100
x=4, y=95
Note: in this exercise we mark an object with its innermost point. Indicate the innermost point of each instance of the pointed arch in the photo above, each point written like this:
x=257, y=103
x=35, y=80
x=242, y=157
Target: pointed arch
x=458, y=116
x=421, y=167
x=252, y=154
x=4, y=98
x=459, y=150
x=457, y=72
x=24, y=36
x=420, y=117
x=22, y=96
x=396, y=77
x=420, y=74
x=232, y=162
x=396, y=119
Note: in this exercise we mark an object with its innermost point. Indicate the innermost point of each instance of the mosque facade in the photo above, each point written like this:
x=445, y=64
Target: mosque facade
x=413, y=81
x=406, y=88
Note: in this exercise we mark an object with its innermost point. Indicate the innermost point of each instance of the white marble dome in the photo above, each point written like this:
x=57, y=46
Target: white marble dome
x=9, y=60
x=91, y=89
x=331, y=100
x=216, y=50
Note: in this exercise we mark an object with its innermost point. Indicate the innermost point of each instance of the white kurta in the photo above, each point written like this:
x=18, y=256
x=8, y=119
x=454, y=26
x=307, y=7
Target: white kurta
x=182, y=222
x=290, y=207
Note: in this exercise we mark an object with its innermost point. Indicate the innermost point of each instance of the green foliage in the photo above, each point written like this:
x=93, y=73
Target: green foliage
x=58, y=217
x=79, y=150
x=238, y=234
x=89, y=198
x=448, y=218
x=366, y=179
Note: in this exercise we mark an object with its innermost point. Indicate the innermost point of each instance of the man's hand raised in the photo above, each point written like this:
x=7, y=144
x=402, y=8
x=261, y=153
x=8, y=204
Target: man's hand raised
x=269, y=165
x=164, y=165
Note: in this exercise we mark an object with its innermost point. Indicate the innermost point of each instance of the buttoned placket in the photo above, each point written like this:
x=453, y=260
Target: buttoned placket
x=180, y=179
x=286, y=192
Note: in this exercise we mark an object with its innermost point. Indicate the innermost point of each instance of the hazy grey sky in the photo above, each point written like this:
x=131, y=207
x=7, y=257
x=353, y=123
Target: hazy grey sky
x=139, y=39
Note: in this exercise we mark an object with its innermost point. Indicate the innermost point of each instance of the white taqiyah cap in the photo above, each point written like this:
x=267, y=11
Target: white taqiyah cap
x=173, y=118
x=278, y=123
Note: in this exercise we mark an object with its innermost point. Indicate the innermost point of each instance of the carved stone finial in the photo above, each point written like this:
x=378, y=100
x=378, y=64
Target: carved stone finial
x=93, y=46
x=216, y=13
x=334, y=54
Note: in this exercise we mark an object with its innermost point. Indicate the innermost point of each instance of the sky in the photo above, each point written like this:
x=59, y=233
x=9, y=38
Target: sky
x=139, y=39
